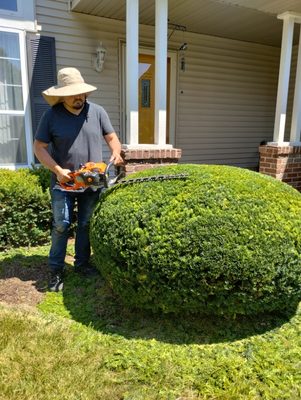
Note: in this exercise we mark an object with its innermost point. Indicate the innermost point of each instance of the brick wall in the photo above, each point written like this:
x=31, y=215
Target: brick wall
x=140, y=159
x=282, y=162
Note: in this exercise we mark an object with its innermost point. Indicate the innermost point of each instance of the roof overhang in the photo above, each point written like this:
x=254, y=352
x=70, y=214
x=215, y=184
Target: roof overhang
x=248, y=20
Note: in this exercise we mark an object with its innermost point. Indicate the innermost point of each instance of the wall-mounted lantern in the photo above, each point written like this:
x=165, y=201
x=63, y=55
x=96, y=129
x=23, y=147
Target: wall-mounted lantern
x=182, y=50
x=99, y=58
x=183, y=47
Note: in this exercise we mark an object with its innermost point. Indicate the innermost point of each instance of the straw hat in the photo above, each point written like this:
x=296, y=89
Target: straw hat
x=70, y=83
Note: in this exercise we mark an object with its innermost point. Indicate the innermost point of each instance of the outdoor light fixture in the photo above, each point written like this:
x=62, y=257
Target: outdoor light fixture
x=182, y=50
x=99, y=58
x=183, y=47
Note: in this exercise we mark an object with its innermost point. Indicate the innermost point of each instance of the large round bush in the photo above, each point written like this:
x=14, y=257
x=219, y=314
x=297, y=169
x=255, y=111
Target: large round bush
x=225, y=240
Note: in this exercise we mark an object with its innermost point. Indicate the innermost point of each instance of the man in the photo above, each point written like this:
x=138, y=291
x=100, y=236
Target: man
x=70, y=134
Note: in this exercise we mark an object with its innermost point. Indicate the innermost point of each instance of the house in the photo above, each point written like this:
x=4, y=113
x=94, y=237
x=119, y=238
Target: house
x=227, y=77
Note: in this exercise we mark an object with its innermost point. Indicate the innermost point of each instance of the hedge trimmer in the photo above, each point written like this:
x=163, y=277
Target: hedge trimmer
x=96, y=175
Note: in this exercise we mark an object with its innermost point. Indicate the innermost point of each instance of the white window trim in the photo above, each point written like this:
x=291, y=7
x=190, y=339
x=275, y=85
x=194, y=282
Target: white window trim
x=172, y=91
x=24, y=18
x=26, y=112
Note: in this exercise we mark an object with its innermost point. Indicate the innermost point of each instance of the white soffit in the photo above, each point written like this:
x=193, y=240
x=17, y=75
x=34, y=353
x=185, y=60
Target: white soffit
x=267, y=6
x=248, y=20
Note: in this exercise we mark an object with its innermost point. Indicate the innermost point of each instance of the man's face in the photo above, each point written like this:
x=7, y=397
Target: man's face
x=75, y=102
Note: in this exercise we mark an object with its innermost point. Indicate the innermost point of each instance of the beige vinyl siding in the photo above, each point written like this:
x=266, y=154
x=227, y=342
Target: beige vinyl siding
x=225, y=99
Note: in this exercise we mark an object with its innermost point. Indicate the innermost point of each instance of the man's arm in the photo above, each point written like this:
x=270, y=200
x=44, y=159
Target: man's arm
x=115, y=147
x=40, y=150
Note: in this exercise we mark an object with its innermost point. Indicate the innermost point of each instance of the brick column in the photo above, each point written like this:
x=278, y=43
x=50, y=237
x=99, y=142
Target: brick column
x=144, y=158
x=282, y=162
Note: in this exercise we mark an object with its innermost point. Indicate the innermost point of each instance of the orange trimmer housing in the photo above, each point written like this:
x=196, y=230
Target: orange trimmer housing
x=91, y=174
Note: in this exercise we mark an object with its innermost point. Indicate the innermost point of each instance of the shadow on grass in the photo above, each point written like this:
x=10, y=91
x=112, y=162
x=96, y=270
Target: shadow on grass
x=90, y=302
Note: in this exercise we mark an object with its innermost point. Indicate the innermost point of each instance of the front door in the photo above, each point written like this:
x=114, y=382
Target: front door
x=147, y=99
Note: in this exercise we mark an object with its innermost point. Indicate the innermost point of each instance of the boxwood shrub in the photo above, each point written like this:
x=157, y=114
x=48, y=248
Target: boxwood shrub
x=25, y=212
x=225, y=241
x=43, y=174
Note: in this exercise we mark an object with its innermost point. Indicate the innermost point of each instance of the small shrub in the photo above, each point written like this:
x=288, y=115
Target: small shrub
x=24, y=209
x=43, y=174
x=224, y=241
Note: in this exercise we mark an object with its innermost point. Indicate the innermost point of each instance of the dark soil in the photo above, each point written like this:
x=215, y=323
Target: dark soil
x=19, y=285
x=22, y=286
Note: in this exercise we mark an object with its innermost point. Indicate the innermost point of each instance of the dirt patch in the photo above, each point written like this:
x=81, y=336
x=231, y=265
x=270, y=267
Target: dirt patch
x=15, y=291
x=24, y=285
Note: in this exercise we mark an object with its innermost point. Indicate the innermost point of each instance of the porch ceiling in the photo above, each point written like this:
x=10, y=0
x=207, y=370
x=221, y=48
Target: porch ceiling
x=247, y=20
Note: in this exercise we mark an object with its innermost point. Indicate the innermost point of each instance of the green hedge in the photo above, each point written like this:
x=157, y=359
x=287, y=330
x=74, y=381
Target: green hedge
x=43, y=174
x=224, y=241
x=25, y=212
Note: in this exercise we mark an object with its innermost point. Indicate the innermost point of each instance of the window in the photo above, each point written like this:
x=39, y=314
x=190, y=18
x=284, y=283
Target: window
x=18, y=14
x=12, y=110
x=9, y=5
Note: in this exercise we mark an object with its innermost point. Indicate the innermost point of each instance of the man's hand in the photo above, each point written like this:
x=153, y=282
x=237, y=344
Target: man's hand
x=63, y=175
x=116, y=158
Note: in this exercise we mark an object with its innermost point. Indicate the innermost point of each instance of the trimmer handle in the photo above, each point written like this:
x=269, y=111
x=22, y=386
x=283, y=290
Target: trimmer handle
x=110, y=182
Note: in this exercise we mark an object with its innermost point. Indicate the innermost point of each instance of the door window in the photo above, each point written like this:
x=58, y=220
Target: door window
x=147, y=98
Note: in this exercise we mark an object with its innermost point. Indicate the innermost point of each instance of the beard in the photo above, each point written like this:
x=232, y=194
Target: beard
x=78, y=104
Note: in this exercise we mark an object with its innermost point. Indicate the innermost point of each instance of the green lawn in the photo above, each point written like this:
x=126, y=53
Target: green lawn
x=83, y=344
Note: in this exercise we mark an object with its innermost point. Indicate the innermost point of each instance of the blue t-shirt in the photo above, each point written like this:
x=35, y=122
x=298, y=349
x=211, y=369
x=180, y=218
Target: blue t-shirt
x=74, y=139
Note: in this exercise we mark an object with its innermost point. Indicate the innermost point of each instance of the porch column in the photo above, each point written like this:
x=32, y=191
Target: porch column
x=296, y=116
x=284, y=74
x=161, y=71
x=132, y=66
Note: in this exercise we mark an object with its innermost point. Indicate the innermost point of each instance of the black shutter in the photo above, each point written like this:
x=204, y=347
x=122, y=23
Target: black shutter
x=42, y=73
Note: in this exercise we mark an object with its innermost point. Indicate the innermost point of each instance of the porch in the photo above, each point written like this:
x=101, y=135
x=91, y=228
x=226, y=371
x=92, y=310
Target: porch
x=267, y=22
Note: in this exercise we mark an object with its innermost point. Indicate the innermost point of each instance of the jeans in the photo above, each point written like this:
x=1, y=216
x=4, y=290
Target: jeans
x=62, y=208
